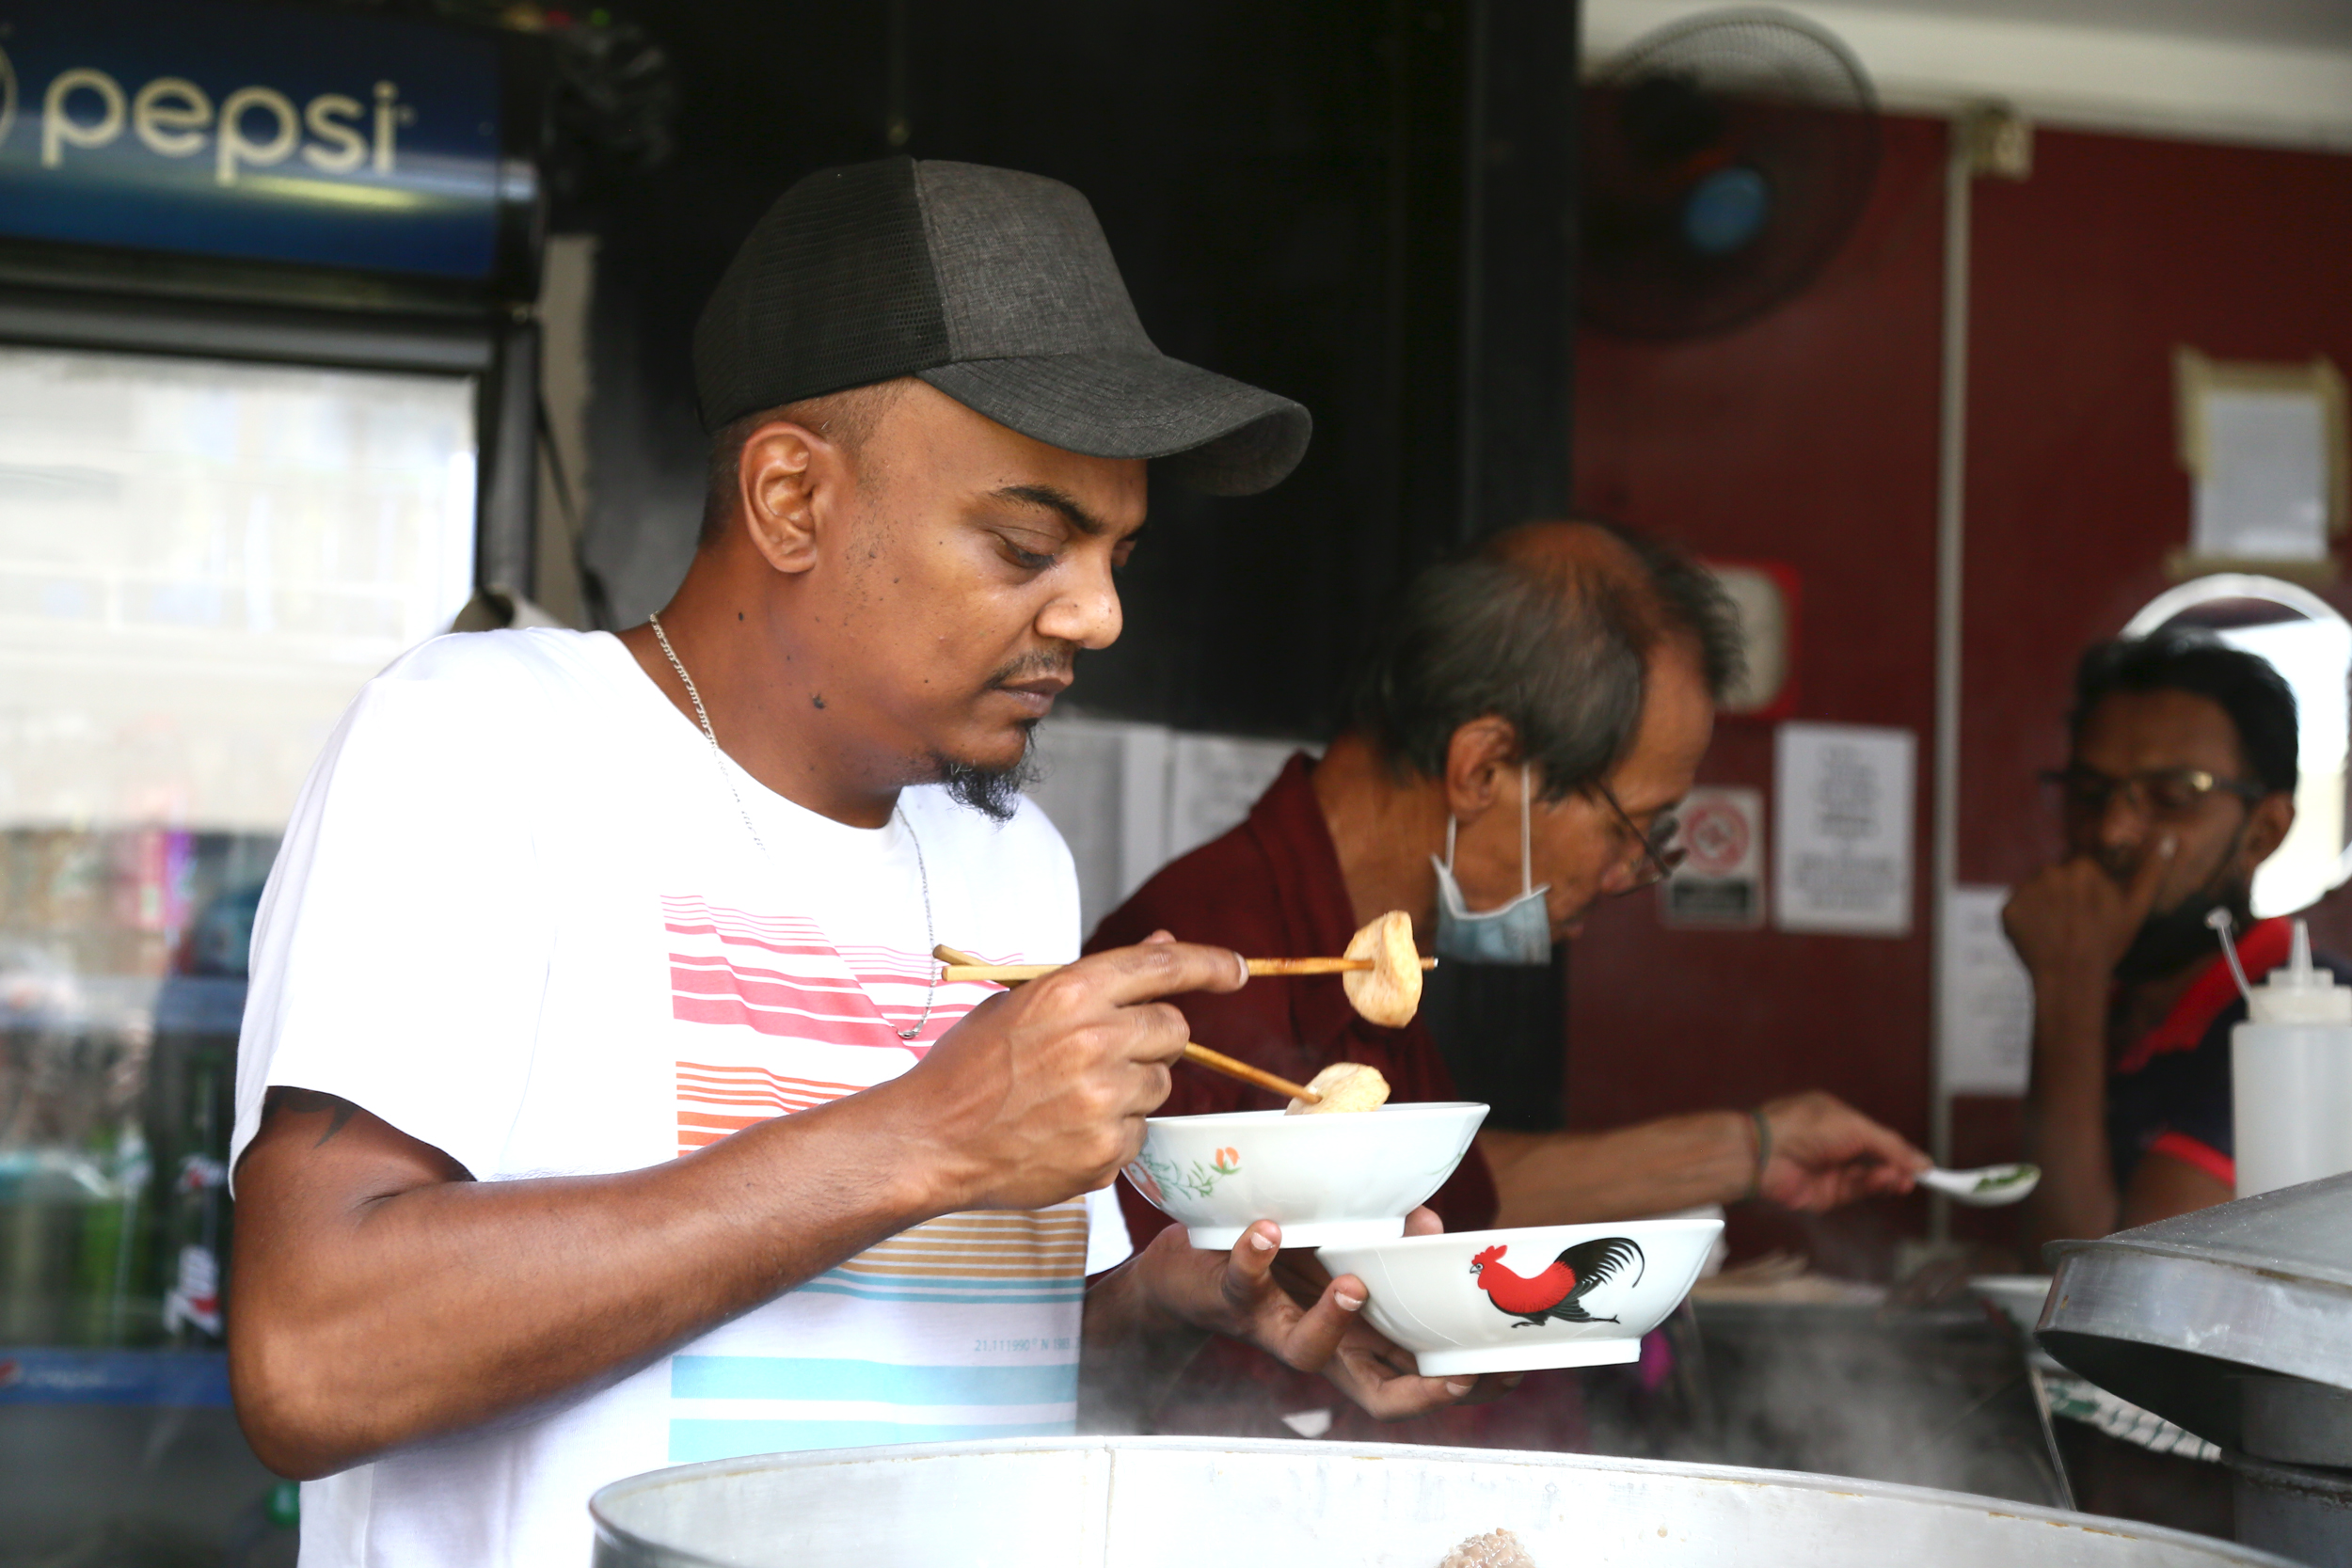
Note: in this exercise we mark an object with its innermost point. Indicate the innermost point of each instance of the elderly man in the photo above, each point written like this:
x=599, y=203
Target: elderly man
x=1525, y=727
x=2180, y=784
x=1526, y=724
x=565, y=925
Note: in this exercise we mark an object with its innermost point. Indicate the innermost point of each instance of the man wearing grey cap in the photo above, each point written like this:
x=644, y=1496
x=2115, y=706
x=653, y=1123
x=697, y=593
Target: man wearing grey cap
x=599, y=1106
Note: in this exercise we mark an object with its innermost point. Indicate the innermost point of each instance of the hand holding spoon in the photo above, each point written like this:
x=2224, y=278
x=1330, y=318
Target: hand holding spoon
x=1987, y=1186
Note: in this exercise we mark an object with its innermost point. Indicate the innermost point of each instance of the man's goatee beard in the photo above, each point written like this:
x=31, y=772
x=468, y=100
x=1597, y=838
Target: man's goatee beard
x=993, y=792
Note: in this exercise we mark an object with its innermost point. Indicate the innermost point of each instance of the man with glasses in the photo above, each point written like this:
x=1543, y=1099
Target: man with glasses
x=2181, y=781
x=1518, y=742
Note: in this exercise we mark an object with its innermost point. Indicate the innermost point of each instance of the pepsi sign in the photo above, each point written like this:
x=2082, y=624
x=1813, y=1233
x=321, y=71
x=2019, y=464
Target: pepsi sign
x=216, y=128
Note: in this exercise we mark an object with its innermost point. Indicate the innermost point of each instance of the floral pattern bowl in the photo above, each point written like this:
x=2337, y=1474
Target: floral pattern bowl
x=1325, y=1180
x=1513, y=1301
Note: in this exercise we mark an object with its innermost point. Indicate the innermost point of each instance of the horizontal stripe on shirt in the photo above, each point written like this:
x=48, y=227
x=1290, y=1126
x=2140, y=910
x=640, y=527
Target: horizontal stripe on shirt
x=1025, y=1297
x=752, y=1086
x=776, y=1377
x=802, y=1024
x=778, y=975
x=965, y=1270
x=691, y=1442
x=874, y=1410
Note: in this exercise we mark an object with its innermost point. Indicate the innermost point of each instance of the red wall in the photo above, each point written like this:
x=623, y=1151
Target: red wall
x=2087, y=277
x=1810, y=437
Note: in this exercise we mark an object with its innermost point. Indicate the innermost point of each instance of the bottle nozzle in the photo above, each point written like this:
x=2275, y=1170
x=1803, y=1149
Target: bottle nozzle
x=2220, y=921
x=2298, y=991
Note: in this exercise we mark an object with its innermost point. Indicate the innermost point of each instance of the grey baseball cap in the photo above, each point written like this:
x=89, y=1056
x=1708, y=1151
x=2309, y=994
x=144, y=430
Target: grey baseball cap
x=998, y=288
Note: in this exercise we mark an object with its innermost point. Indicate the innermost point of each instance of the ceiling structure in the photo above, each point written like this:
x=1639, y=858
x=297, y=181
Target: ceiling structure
x=2275, y=71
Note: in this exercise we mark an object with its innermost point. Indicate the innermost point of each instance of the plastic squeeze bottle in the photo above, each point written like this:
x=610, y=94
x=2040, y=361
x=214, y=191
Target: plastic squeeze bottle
x=2291, y=1076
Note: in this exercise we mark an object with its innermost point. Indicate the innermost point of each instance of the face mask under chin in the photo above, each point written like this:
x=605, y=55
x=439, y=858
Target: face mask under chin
x=1517, y=933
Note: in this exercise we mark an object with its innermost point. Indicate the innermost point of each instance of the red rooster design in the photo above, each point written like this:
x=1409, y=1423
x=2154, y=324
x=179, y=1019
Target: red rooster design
x=1559, y=1289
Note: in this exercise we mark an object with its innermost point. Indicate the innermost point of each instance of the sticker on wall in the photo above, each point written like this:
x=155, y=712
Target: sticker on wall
x=1844, y=824
x=1720, y=883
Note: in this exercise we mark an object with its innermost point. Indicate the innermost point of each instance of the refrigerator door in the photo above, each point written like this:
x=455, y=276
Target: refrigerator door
x=201, y=563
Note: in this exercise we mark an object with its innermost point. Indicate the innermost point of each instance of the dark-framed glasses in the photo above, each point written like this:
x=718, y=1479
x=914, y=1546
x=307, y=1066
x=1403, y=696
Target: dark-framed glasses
x=1659, y=853
x=2169, y=792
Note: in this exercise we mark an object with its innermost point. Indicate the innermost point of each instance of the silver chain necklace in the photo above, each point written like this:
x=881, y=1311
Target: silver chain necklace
x=930, y=938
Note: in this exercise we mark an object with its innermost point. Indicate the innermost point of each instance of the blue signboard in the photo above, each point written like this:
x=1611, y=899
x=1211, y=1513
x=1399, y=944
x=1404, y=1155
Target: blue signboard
x=224, y=129
x=47, y=1375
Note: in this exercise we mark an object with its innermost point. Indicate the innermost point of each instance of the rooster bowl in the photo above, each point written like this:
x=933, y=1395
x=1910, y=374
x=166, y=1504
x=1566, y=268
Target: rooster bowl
x=1325, y=1180
x=1512, y=1301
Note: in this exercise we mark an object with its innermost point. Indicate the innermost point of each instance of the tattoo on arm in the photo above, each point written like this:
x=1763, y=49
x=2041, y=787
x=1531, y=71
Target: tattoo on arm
x=311, y=1102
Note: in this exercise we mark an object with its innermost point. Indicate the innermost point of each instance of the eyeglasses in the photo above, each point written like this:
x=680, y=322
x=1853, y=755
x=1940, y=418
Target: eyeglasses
x=1658, y=846
x=2162, y=792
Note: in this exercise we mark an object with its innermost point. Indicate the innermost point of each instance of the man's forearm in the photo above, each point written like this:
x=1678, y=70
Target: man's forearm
x=1674, y=1163
x=2066, y=1132
x=452, y=1304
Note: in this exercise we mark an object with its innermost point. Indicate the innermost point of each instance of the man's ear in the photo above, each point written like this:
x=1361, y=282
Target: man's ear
x=1476, y=759
x=2266, y=827
x=789, y=478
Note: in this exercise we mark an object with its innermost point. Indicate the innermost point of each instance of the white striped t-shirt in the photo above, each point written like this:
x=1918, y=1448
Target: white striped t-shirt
x=518, y=914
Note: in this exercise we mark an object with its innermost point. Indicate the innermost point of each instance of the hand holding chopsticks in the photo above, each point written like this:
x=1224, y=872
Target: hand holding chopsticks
x=961, y=965
x=1381, y=970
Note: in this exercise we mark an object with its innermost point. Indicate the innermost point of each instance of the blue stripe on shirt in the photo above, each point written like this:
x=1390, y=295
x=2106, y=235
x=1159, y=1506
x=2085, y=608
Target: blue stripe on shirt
x=776, y=1377
x=695, y=1440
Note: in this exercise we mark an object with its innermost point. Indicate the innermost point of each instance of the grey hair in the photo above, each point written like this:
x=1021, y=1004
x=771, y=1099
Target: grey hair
x=1558, y=649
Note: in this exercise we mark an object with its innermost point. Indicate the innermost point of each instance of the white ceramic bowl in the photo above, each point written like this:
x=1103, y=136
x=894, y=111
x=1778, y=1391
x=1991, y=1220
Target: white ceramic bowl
x=1340, y=1176
x=1512, y=1301
x=2018, y=1296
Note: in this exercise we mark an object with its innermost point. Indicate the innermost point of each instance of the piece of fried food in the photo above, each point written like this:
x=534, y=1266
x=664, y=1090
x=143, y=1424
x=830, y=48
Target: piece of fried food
x=1387, y=993
x=1345, y=1087
x=1497, y=1548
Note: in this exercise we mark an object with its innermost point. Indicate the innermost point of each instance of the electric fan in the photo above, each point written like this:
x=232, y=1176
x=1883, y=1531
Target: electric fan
x=1727, y=158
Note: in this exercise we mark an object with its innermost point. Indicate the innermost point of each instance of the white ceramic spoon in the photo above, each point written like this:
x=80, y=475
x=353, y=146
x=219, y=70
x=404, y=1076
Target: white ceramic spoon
x=1986, y=1187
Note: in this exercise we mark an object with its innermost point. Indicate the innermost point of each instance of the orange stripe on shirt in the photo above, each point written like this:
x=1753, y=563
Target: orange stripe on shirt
x=740, y=1097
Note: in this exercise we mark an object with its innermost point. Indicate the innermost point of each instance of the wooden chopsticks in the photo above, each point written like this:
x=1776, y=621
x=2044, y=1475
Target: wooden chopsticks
x=1009, y=975
x=963, y=966
x=1217, y=1061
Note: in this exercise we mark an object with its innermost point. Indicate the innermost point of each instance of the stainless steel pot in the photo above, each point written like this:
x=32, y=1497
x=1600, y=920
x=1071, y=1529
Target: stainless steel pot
x=2234, y=1322
x=1173, y=1502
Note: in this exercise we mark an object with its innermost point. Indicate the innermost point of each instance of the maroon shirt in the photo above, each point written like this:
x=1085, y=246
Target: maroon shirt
x=1273, y=888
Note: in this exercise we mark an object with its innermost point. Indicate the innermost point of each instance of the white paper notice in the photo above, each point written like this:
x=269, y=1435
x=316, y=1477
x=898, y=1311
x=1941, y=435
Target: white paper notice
x=2263, y=491
x=1844, y=823
x=1987, y=1042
